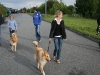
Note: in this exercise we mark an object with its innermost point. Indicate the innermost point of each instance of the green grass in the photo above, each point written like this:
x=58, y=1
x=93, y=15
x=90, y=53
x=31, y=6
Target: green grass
x=85, y=26
x=30, y=14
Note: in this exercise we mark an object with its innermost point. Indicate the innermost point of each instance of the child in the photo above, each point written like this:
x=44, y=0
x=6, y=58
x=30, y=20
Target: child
x=12, y=25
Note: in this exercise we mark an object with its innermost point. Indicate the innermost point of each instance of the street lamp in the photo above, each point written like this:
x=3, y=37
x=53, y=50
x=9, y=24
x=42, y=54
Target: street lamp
x=26, y=9
x=45, y=7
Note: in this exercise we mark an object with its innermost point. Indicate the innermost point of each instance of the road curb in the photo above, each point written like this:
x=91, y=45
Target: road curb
x=79, y=33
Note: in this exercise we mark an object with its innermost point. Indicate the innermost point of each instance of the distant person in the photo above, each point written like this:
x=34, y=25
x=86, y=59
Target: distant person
x=98, y=27
x=37, y=22
x=57, y=33
x=0, y=27
x=12, y=25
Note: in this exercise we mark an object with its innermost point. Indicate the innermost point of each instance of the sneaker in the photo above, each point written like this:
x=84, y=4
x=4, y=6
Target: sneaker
x=39, y=41
x=58, y=61
x=54, y=58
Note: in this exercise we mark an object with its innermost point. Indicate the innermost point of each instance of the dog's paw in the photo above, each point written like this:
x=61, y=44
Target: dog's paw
x=43, y=73
x=15, y=50
x=38, y=66
x=12, y=49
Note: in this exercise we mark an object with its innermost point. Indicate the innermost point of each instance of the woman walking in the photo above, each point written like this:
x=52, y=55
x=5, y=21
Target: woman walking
x=58, y=33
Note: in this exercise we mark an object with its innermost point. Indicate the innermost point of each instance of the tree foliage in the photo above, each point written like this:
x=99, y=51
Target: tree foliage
x=98, y=9
x=70, y=10
x=54, y=5
x=3, y=10
x=87, y=8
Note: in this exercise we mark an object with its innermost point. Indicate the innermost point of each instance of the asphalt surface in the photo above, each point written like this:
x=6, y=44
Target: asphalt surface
x=80, y=56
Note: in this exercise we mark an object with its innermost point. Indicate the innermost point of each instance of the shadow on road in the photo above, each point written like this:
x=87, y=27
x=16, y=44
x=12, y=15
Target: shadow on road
x=26, y=62
x=21, y=59
x=76, y=71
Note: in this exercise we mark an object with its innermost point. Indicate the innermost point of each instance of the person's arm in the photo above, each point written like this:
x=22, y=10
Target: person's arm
x=64, y=31
x=40, y=18
x=51, y=30
x=8, y=24
x=16, y=25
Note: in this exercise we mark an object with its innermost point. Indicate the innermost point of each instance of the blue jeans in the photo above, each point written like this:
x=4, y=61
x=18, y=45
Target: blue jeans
x=37, y=32
x=58, y=46
x=0, y=34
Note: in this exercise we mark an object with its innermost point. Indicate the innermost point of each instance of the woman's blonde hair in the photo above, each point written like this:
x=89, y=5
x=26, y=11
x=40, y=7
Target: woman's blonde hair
x=58, y=13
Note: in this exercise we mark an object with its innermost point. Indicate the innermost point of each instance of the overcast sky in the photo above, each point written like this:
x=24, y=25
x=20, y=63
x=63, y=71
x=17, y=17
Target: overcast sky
x=17, y=4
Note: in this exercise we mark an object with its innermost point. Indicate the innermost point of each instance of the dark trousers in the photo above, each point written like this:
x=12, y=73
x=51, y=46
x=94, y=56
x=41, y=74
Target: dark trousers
x=11, y=31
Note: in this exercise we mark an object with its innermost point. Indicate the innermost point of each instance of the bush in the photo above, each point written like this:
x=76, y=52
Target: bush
x=3, y=11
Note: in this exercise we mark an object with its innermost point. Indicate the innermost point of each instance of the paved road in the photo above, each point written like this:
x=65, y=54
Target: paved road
x=80, y=56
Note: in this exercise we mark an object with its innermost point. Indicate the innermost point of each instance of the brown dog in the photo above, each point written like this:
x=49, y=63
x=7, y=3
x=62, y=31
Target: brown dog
x=13, y=41
x=41, y=57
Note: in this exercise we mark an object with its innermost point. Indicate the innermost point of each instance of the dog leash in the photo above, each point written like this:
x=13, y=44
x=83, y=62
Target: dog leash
x=49, y=45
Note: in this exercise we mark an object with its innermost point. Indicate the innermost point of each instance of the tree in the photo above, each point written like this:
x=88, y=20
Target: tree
x=70, y=10
x=98, y=9
x=87, y=8
x=54, y=5
x=63, y=7
x=50, y=4
x=3, y=10
x=42, y=8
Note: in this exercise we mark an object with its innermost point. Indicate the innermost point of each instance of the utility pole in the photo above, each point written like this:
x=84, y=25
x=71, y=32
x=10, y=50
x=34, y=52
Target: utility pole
x=26, y=9
x=30, y=8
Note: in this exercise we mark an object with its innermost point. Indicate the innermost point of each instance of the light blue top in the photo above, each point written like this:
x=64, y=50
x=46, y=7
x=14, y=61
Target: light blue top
x=12, y=24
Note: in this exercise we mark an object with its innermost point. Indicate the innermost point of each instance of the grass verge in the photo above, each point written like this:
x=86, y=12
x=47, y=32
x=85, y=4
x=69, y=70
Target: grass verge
x=81, y=25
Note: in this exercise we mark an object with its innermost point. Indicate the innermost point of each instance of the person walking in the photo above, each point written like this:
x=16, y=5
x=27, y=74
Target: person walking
x=58, y=33
x=0, y=27
x=37, y=22
x=12, y=25
x=98, y=27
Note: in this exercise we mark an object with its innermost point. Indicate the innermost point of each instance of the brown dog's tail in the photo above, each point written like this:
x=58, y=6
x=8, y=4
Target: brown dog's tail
x=35, y=43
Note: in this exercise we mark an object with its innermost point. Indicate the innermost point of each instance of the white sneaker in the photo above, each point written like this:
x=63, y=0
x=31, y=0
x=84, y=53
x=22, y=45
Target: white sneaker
x=39, y=41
